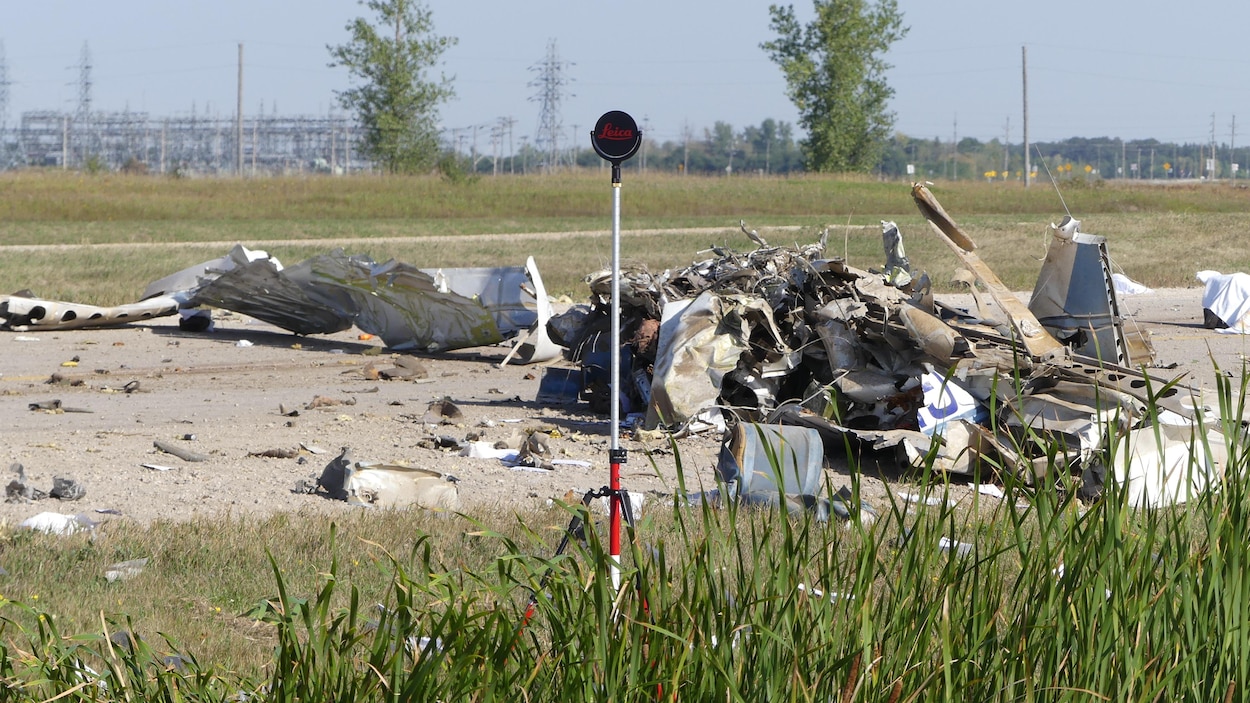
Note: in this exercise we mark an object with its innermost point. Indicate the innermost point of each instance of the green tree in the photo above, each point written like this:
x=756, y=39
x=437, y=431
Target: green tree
x=395, y=101
x=835, y=76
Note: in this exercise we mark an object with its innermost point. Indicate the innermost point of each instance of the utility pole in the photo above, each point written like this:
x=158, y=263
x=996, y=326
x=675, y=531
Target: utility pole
x=496, y=138
x=238, y=120
x=646, y=127
x=1213, y=170
x=685, y=149
x=1006, y=147
x=1232, y=144
x=508, y=123
x=1024, y=70
x=955, y=148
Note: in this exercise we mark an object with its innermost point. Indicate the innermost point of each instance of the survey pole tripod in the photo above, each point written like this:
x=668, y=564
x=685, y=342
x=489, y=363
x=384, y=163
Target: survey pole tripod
x=576, y=530
x=615, y=138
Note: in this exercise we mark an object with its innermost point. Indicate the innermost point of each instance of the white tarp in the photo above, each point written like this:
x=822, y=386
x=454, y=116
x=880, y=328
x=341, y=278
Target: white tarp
x=1127, y=286
x=1227, y=296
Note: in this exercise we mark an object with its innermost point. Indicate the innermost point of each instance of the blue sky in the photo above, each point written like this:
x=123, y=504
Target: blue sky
x=1151, y=69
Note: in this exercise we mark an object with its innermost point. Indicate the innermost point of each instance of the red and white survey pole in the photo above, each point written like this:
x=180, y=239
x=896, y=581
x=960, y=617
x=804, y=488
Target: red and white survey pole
x=615, y=138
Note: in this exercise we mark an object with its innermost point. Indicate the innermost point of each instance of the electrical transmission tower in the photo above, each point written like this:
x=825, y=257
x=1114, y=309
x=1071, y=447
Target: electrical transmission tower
x=84, y=80
x=550, y=85
x=4, y=103
x=83, y=117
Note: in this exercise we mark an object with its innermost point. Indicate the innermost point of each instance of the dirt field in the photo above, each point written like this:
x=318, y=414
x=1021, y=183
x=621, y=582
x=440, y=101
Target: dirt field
x=211, y=394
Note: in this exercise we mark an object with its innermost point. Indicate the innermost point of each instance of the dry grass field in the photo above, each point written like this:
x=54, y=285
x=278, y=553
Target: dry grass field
x=101, y=239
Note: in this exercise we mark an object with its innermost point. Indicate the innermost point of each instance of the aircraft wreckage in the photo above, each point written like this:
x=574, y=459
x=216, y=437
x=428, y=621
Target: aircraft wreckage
x=853, y=365
x=878, y=370
x=409, y=309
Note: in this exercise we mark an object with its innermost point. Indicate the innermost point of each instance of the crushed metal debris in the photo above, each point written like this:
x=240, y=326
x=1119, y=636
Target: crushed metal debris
x=868, y=360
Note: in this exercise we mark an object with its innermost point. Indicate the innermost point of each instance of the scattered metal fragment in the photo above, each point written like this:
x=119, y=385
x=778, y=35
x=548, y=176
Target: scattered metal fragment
x=1035, y=338
x=406, y=368
x=946, y=544
x=385, y=485
x=536, y=346
x=897, y=265
x=18, y=490
x=280, y=453
x=55, y=407
x=65, y=488
x=559, y=386
x=22, y=314
x=442, y=410
x=125, y=570
x=1075, y=298
x=180, y=452
x=772, y=459
x=535, y=452
x=321, y=401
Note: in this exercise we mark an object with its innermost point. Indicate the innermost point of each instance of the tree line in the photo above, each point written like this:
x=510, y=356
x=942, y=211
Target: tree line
x=771, y=148
x=1100, y=158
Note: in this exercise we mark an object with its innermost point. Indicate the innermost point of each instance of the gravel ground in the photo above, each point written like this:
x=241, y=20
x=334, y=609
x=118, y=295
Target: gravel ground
x=215, y=395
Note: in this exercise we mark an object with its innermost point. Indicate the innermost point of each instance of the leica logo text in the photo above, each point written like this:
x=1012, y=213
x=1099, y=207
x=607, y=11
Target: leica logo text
x=610, y=132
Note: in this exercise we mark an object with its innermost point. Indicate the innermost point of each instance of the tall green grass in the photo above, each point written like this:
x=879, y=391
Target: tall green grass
x=1034, y=598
